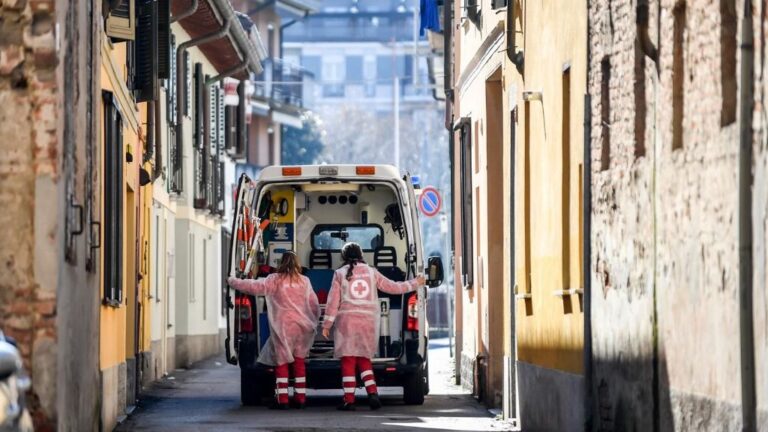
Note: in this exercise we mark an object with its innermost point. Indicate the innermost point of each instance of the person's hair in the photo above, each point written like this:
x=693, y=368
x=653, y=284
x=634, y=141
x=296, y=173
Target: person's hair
x=289, y=265
x=352, y=254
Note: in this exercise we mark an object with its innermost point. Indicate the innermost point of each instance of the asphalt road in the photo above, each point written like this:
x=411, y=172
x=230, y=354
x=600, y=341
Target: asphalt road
x=206, y=398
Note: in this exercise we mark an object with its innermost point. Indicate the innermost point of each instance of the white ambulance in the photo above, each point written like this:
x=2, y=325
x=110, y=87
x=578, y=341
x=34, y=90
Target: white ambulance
x=313, y=210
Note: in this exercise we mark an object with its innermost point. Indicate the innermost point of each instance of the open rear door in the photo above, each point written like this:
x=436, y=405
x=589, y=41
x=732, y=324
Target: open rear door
x=237, y=251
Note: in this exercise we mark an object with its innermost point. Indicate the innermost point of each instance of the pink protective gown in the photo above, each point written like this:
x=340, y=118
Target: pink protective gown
x=293, y=313
x=354, y=312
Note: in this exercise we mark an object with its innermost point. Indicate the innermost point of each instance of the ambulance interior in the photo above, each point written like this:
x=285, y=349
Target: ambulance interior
x=315, y=220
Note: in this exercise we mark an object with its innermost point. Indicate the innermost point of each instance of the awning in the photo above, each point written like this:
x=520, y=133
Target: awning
x=292, y=120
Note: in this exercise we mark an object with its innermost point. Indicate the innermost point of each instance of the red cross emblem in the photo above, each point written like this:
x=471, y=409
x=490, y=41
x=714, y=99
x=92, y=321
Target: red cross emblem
x=360, y=289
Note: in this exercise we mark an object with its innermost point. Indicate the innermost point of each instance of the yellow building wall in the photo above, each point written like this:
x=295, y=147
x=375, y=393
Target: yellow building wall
x=117, y=337
x=549, y=322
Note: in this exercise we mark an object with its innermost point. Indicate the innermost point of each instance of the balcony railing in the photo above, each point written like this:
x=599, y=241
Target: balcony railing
x=282, y=82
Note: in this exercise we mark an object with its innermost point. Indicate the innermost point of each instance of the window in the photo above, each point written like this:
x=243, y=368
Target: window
x=146, y=80
x=640, y=101
x=171, y=93
x=121, y=21
x=498, y=4
x=729, y=88
x=205, y=279
x=113, y=202
x=354, y=69
x=187, y=83
x=200, y=173
x=467, y=252
x=605, y=113
x=333, y=237
x=192, y=268
x=384, y=68
x=678, y=75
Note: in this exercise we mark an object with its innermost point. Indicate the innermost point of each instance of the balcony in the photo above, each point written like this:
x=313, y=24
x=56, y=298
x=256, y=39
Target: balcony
x=282, y=85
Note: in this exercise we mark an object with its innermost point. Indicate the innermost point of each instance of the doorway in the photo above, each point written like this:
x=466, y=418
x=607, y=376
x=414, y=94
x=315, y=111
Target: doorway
x=494, y=223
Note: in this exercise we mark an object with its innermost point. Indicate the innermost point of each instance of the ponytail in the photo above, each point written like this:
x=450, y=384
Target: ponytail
x=351, y=253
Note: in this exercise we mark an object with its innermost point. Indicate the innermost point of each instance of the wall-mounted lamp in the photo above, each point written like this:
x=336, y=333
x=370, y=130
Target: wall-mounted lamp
x=532, y=95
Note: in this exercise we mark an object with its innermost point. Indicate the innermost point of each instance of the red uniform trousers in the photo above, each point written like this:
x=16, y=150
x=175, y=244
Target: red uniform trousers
x=348, y=379
x=299, y=381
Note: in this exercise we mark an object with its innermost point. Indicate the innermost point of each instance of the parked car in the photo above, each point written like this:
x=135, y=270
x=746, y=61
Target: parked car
x=14, y=383
x=313, y=211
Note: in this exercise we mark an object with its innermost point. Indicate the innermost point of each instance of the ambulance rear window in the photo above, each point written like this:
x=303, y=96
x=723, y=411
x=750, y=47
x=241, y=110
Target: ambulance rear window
x=333, y=237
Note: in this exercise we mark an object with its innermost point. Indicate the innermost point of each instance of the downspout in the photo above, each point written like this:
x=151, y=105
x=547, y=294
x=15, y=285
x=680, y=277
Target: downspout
x=746, y=318
x=181, y=87
x=192, y=9
x=586, y=239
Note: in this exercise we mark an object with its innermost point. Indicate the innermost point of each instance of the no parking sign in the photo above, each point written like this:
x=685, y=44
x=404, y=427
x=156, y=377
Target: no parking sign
x=430, y=201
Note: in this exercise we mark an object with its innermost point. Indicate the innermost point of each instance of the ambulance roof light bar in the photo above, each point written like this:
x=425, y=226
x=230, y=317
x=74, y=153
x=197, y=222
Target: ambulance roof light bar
x=292, y=171
x=365, y=170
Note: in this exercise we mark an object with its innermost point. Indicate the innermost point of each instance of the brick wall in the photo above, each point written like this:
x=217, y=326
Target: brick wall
x=664, y=217
x=30, y=152
x=42, y=298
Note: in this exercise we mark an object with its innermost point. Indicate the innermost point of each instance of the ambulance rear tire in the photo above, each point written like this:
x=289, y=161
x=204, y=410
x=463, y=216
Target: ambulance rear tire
x=252, y=390
x=414, y=388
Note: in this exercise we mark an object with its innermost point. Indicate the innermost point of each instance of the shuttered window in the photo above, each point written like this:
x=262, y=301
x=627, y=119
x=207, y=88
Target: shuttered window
x=200, y=173
x=164, y=56
x=171, y=93
x=146, y=51
x=187, y=83
x=120, y=22
x=113, y=202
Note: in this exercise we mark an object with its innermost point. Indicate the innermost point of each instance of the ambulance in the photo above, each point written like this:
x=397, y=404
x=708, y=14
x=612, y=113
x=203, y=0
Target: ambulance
x=313, y=210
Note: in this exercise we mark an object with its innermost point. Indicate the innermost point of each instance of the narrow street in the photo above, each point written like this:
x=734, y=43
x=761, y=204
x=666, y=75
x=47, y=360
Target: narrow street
x=207, y=397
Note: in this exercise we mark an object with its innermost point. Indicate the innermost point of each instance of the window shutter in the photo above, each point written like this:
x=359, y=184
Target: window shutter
x=171, y=94
x=213, y=128
x=198, y=114
x=121, y=23
x=240, y=122
x=164, y=57
x=146, y=50
x=221, y=120
x=188, y=83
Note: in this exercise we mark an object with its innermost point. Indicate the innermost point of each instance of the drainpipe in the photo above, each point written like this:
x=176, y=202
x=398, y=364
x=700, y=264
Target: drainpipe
x=587, y=264
x=181, y=87
x=746, y=318
x=186, y=13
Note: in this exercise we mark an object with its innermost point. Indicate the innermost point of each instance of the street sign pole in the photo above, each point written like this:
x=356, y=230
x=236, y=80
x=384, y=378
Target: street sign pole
x=449, y=287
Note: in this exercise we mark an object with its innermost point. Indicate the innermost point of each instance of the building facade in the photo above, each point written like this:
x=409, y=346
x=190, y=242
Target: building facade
x=516, y=113
x=675, y=104
x=49, y=196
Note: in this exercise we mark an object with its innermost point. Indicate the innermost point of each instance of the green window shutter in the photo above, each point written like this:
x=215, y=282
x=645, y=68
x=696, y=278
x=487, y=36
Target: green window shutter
x=164, y=57
x=146, y=52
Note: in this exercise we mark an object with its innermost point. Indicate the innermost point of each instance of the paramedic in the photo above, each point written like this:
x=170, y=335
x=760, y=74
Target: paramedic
x=353, y=312
x=293, y=313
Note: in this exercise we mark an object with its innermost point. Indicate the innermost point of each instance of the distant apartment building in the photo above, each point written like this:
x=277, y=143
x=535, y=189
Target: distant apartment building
x=276, y=95
x=366, y=56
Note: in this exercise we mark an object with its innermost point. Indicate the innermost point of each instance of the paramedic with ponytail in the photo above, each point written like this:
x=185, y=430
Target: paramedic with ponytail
x=353, y=312
x=293, y=313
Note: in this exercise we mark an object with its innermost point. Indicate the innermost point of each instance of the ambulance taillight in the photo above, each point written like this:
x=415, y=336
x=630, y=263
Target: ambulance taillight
x=413, y=313
x=244, y=313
